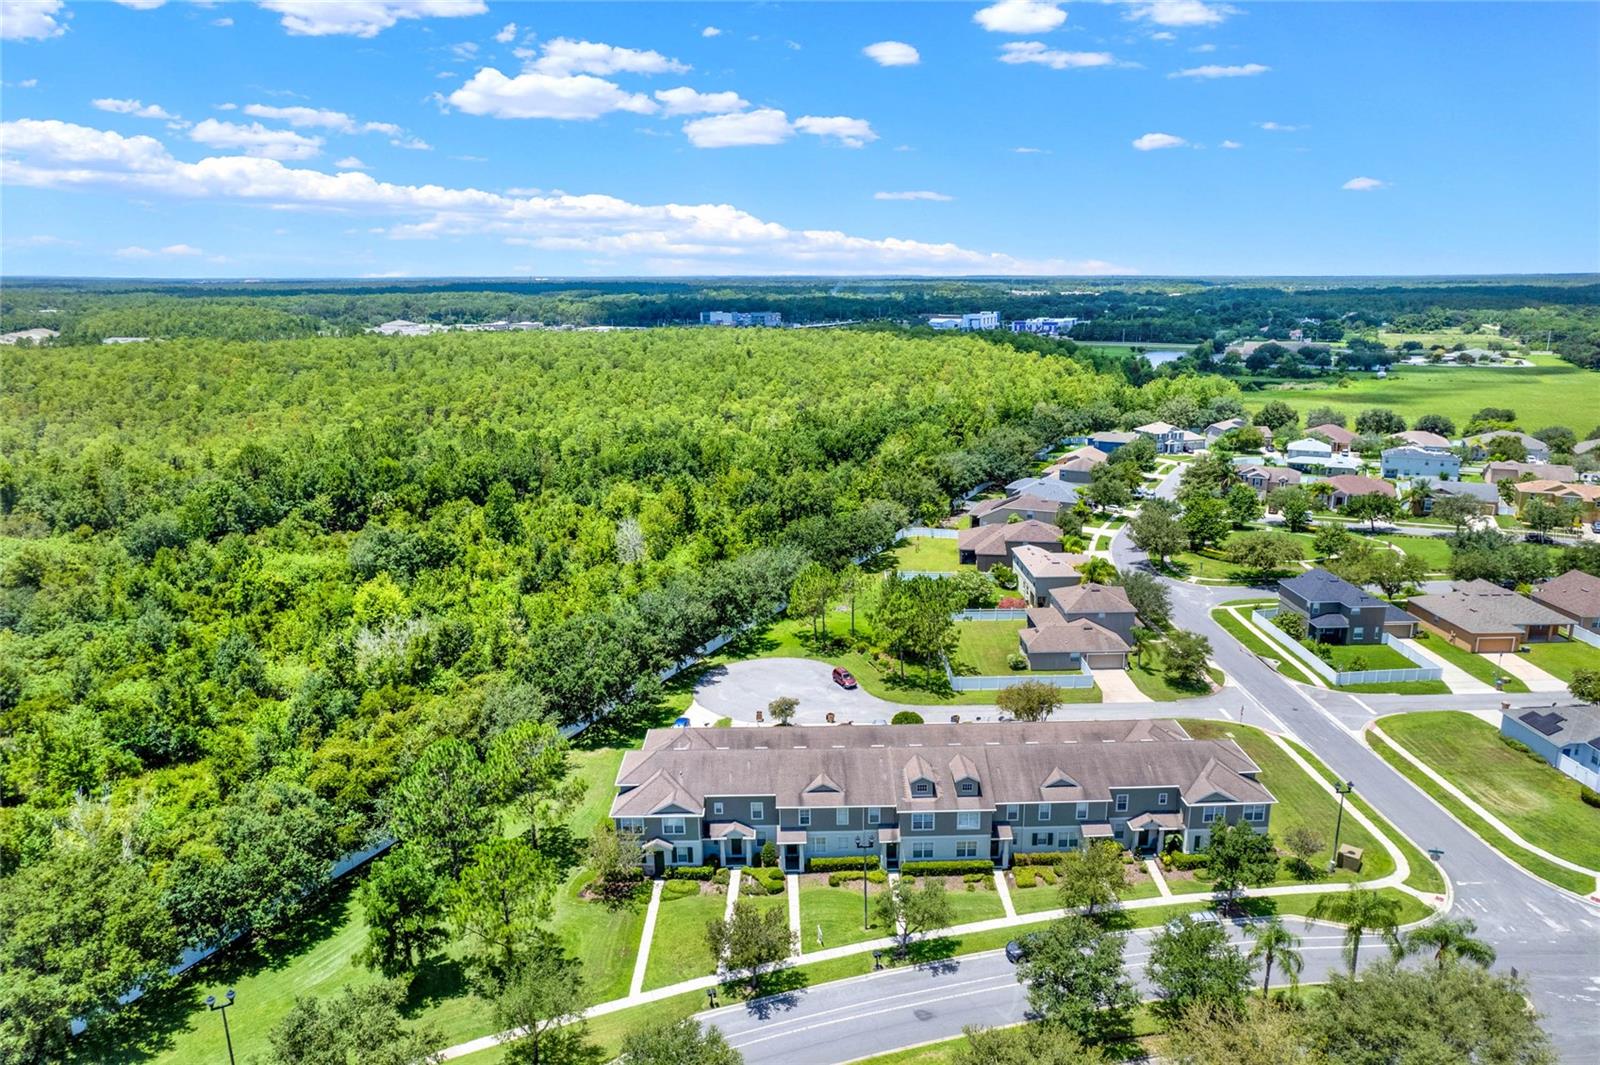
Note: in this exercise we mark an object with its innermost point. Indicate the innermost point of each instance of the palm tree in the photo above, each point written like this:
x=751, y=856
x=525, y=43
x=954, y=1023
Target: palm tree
x=1448, y=939
x=1360, y=911
x=1320, y=491
x=1275, y=943
x=1418, y=496
x=1141, y=638
x=1098, y=571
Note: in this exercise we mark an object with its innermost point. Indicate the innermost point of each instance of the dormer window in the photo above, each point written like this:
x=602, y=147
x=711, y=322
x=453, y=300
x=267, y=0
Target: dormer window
x=969, y=788
x=922, y=788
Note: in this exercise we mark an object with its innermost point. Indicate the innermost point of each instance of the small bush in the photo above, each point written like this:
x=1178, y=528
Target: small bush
x=972, y=887
x=1039, y=858
x=830, y=865
x=771, y=880
x=1026, y=876
x=874, y=876
x=722, y=877
x=975, y=878
x=678, y=889
x=769, y=853
x=906, y=717
x=1180, y=860
x=953, y=868
x=1590, y=796
x=751, y=886
x=1016, y=662
x=690, y=872
x=1047, y=874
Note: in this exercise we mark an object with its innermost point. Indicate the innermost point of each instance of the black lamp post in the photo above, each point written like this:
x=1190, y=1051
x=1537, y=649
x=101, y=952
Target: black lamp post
x=1342, y=790
x=222, y=1007
x=864, y=843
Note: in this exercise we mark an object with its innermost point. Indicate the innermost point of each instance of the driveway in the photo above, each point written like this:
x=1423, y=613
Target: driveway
x=1524, y=670
x=1455, y=678
x=1116, y=686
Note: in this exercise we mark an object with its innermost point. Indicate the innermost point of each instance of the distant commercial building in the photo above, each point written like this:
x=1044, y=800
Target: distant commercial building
x=1050, y=327
x=742, y=319
x=966, y=323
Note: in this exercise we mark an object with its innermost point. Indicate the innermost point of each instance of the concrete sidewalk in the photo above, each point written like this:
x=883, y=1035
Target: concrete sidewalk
x=1458, y=680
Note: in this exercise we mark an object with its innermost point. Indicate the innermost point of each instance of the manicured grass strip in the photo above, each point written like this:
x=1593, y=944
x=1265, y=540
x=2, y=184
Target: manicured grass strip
x=1102, y=543
x=1239, y=631
x=986, y=647
x=1148, y=673
x=678, y=950
x=1302, y=801
x=1538, y=801
x=1539, y=867
x=1432, y=551
x=931, y=553
x=1561, y=658
x=1425, y=874
x=1478, y=667
x=1347, y=657
x=1399, y=687
x=838, y=911
x=1411, y=908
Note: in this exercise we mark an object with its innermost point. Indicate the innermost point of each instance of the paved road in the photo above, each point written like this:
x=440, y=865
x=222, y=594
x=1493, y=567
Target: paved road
x=901, y=1007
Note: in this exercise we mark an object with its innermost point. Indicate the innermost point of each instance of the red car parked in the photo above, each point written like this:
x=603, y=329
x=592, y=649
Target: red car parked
x=843, y=678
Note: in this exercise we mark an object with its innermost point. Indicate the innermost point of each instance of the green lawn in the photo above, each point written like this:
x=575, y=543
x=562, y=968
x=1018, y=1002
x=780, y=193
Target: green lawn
x=1562, y=658
x=1539, y=802
x=1432, y=551
x=1147, y=674
x=932, y=553
x=1302, y=800
x=678, y=950
x=1211, y=564
x=1349, y=657
x=986, y=647
x=1412, y=909
x=982, y=903
x=838, y=911
x=1478, y=666
x=1241, y=632
x=1539, y=867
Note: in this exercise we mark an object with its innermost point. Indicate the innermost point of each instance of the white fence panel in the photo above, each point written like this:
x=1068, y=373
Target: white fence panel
x=1424, y=671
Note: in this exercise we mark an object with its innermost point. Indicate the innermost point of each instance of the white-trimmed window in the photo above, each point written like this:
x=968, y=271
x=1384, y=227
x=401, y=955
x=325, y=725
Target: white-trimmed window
x=1161, y=798
x=967, y=820
x=1013, y=812
x=805, y=818
x=969, y=788
x=1083, y=811
x=872, y=815
x=1255, y=814
x=922, y=822
x=1122, y=802
x=672, y=826
x=818, y=844
x=682, y=855
x=1044, y=811
x=758, y=811
x=634, y=825
x=1209, y=814
x=841, y=816
x=1043, y=839
x=922, y=852
x=967, y=848
x=922, y=787
x=716, y=809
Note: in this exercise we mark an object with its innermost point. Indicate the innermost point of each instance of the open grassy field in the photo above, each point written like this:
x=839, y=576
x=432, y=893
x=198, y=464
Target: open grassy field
x=1561, y=658
x=1539, y=394
x=932, y=553
x=1149, y=677
x=1540, y=803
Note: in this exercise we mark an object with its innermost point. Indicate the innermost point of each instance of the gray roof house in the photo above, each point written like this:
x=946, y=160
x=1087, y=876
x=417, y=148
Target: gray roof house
x=1487, y=619
x=1025, y=506
x=1567, y=737
x=1044, y=488
x=1495, y=472
x=1583, y=447
x=1485, y=495
x=1478, y=446
x=1050, y=641
x=1418, y=462
x=1040, y=572
x=1575, y=594
x=928, y=792
x=1105, y=604
x=1337, y=611
x=1110, y=441
x=1216, y=429
x=989, y=545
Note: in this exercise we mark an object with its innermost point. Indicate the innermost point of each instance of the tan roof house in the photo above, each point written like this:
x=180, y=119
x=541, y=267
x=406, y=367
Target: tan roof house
x=1077, y=466
x=987, y=545
x=1337, y=435
x=1052, y=642
x=1265, y=478
x=1486, y=619
x=1348, y=485
x=1575, y=594
x=1105, y=604
x=1423, y=438
x=1585, y=496
x=1495, y=472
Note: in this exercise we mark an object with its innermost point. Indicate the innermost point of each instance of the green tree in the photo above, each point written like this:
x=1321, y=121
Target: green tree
x=1107, y=488
x=909, y=912
x=358, y=1026
x=500, y=513
x=1303, y=841
x=1205, y=521
x=811, y=594
x=1098, y=571
x=1092, y=878
x=1192, y=963
x=443, y=805
x=1244, y=506
x=1238, y=856
x=1295, y=506
x=541, y=1000
x=1186, y=657
x=529, y=764
x=1360, y=910
x=1331, y=541
x=1457, y=510
x=402, y=898
x=782, y=709
x=1273, y=944
x=1275, y=415
x=1073, y=971
x=1435, y=423
x=1371, y=508
x=1023, y=1044
x=752, y=941
x=1448, y=939
x=1379, y=421
x=1260, y=1034
x=500, y=902
x=683, y=1042
x=1326, y=416
x=1263, y=552
x=1155, y=531
x=1585, y=685
x=1149, y=595
x=850, y=582
x=1032, y=700
x=1542, y=517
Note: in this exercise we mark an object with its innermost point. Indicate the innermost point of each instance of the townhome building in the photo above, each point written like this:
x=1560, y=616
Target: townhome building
x=908, y=793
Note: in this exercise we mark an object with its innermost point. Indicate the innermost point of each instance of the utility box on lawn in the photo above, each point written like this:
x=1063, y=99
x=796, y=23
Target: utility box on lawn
x=1350, y=858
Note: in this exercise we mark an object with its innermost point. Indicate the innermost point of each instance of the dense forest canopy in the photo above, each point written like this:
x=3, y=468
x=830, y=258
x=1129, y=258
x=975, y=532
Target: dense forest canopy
x=1564, y=311
x=244, y=584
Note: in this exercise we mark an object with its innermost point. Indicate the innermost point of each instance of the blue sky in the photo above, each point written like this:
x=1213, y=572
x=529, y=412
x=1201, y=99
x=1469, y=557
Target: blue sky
x=320, y=138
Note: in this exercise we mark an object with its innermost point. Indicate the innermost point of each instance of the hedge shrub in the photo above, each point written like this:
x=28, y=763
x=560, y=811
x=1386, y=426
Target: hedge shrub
x=678, y=889
x=1039, y=858
x=833, y=865
x=906, y=717
x=1180, y=860
x=690, y=872
x=874, y=876
x=1026, y=876
x=1590, y=796
x=770, y=879
x=956, y=868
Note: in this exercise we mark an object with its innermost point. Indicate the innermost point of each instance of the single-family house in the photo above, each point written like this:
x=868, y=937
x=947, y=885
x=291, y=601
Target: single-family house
x=1265, y=478
x=1495, y=472
x=1308, y=452
x=1414, y=463
x=1170, y=439
x=935, y=792
x=1023, y=507
x=1348, y=485
x=1487, y=619
x=1050, y=641
x=986, y=546
x=1485, y=495
x=1336, y=611
x=1051, y=488
x=1105, y=604
x=1567, y=737
x=1040, y=572
x=1109, y=441
x=1478, y=446
x=1077, y=467
x=1575, y=594
x=1424, y=439
x=1336, y=435
x=1583, y=447
x=1586, y=497
x=1216, y=430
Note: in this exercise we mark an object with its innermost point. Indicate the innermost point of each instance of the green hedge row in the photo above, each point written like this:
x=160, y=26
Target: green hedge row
x=1039, y=858
x=690, y=872
x=1028, y=876
x=875, y=876
x=956, y=868
x=1180, y=860
x=834, y=865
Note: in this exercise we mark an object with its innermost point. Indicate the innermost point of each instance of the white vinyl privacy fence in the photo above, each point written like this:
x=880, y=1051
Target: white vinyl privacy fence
x=1423, y=671
x=1084, y=678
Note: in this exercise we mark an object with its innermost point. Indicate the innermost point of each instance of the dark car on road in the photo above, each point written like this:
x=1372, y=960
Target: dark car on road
x=843, y=678
x=1015, y=950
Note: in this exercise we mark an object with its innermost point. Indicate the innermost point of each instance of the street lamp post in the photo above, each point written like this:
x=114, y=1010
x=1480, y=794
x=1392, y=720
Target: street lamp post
x=222, y=1007
x=1342, y=790
x=864, y=843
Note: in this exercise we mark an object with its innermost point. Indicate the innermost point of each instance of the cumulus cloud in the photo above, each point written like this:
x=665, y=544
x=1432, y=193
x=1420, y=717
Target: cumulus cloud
x=507, y=34
x=363, y=18
x=711, y=31
x=937, y=197
x=412, y=144
x=350, y=162
x=564, y=56
x=30, y=20
x=1020, y=16
x=1364, y=184
x=1243, y=70
x=1054, y=58
x=170, y=251
x=766, y=125
x=850, y=132
x=136, y=108
x=686, y=101
x=1152, y=141
x=539, y=95
x=142, y=5
x=255, y=139
x=1230, y=144
x=1180, y=12
x=667, y=237
x=1279, y=127
x=892, y=54
x=304, y=117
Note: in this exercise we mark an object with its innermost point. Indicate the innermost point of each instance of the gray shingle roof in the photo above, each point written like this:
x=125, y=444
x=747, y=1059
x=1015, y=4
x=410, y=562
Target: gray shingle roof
x=1051, y=634
x=1481, y=607
x=995, y=539
x=1566, y=724
x=1574, y=593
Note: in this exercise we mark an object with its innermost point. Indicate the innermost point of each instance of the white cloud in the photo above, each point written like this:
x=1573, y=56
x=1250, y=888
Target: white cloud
x=304, y=117
x=363, y=18
x=171, y=250
x=255, y=139
x=1020, y=16
x=1152, y=141
x=711, y=31
x=1364, y=184
x=134, y=252
x=1279, y=127
x=537, y=95
x=565, y=56
x=507, y=34
x=25, y=83
x=224, y=22
x=1030, y=151
x=765, y=125
x=892, y=54
x=181, y=249
x=686, y=101
x=1204, y=48
x=350, y=162
x=142, y=5
x=1230, y=144
x=937, y=197
x=1164, y=35
x=136, y=108
x=1180, y=12
x=658, y=238
x=465, y=51
x=30, y=20
x=1036, y=52
x=1243, y=70
x=411, y=144
x=850, y=132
